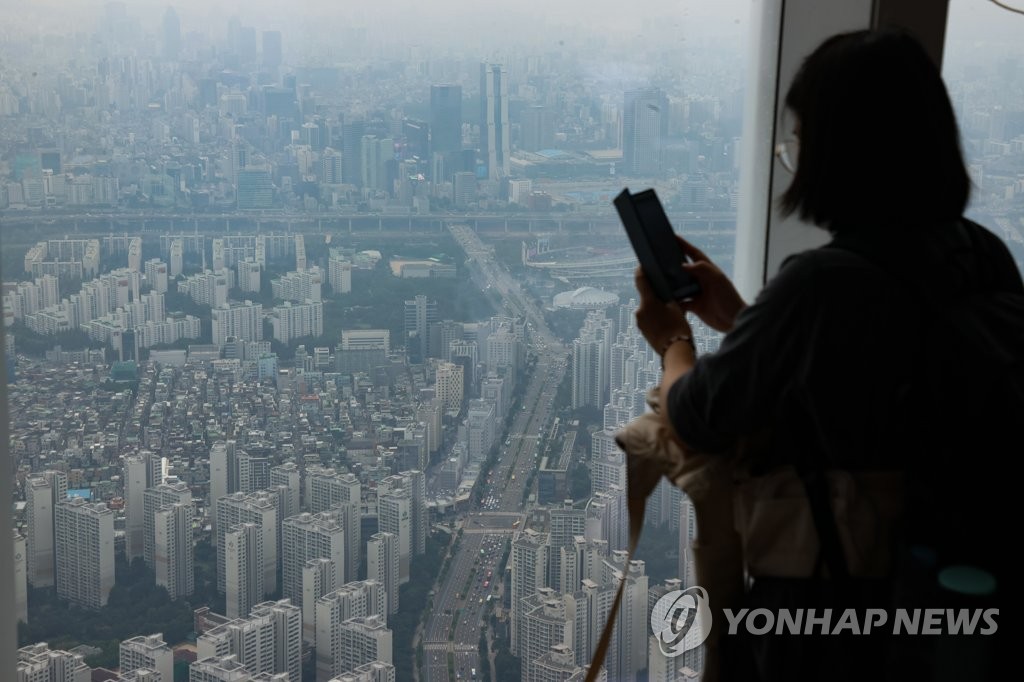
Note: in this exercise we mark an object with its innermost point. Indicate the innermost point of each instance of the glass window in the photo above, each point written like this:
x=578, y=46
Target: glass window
x=328, y=307
x=981, y=65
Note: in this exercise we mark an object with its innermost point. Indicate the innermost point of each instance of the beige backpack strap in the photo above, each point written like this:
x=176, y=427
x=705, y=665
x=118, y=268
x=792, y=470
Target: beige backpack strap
x=641, y=477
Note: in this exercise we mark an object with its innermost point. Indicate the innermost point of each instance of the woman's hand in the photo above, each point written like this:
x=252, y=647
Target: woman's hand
x=718, y=302
x=658, y=321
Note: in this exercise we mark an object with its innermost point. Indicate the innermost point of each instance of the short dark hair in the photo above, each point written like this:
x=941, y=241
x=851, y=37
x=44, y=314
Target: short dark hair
x=878, y=137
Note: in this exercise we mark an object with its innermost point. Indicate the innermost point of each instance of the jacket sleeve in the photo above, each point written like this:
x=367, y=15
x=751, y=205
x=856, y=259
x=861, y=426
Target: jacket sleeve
x=731, y=392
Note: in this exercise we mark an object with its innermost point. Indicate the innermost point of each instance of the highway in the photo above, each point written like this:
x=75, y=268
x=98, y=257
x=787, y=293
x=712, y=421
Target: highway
x=458, y=617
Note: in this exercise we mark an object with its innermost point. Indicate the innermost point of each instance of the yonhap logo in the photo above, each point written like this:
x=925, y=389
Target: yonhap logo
x=681, y=620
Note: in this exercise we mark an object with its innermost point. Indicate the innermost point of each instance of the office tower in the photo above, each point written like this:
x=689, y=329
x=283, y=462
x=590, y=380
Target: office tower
x=255, y=188
x=382, y=565
x=253, y=471
x=394, y=515
x=243, y=569
x=310, y=536
x=463, y=188
x=268, y=640
x=644, y=120
x=364, y=640
x=40, y=663
x=420, y=313
x=20, y=578
x=85, y=552
x=332, y=169
x=42, y=494
x=494, y=126
x=550, y=619
x=147, y=651
x=445, y=119
x=339, y=275
x=537, y=129
x=154, y=499
x=240, y=320
x=361, y=350
x=328, y=490
x=591, y=355
x=449, y=385
x=352, y=600
x=375, y=152
x=271, y=49
x=441, y=335
x=249, y=275
x=287, y=474
x=529, y=560
x=319, y=577
x=174, y=555
x=352, y=152
x=171, y=34
x=259, y=508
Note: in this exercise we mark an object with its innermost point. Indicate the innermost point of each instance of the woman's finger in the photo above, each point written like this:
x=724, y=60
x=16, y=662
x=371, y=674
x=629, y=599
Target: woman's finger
x=695, y=254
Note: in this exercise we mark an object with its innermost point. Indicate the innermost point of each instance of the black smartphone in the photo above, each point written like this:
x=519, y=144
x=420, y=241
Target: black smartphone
x=655, y=244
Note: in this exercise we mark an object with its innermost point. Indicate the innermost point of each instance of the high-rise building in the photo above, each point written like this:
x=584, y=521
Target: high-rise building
x=249, y=275
x=20, y=578
x=591, y=359
x=288, y=475
x=243, y=569
x=85, y=552
x=240, y=320
x=271, y=49
x=329, y=490
x=223, y=474
x=302, y=285
x=445, y=119
x=219, y=669
x=154, y=499
x=529, y=561
x=550, y=619
x=171, y=34
x=259, y=508
x=382, y=565
x=147, y=651
x=177, y=253
x=173, y=552
x=376, y=671
x=339, y=275
x=310, y=536
x=628, y=654
x=42, y=494
x=141, y=471
x=352, y=152
x=352, y=600
x=537, y=129
x=416, y=483
x=394, y=515
x=40, y=663
x=644, y=121
x=255, y=188
x=295, y=320
x=495, y=130
x=319, y=577
x=267, y=641
x=420, y=313
x=364, y=640
x=449, y=385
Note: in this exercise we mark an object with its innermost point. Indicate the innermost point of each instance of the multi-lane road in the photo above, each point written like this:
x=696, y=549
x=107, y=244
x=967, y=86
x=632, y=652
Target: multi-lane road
x=452, y=635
